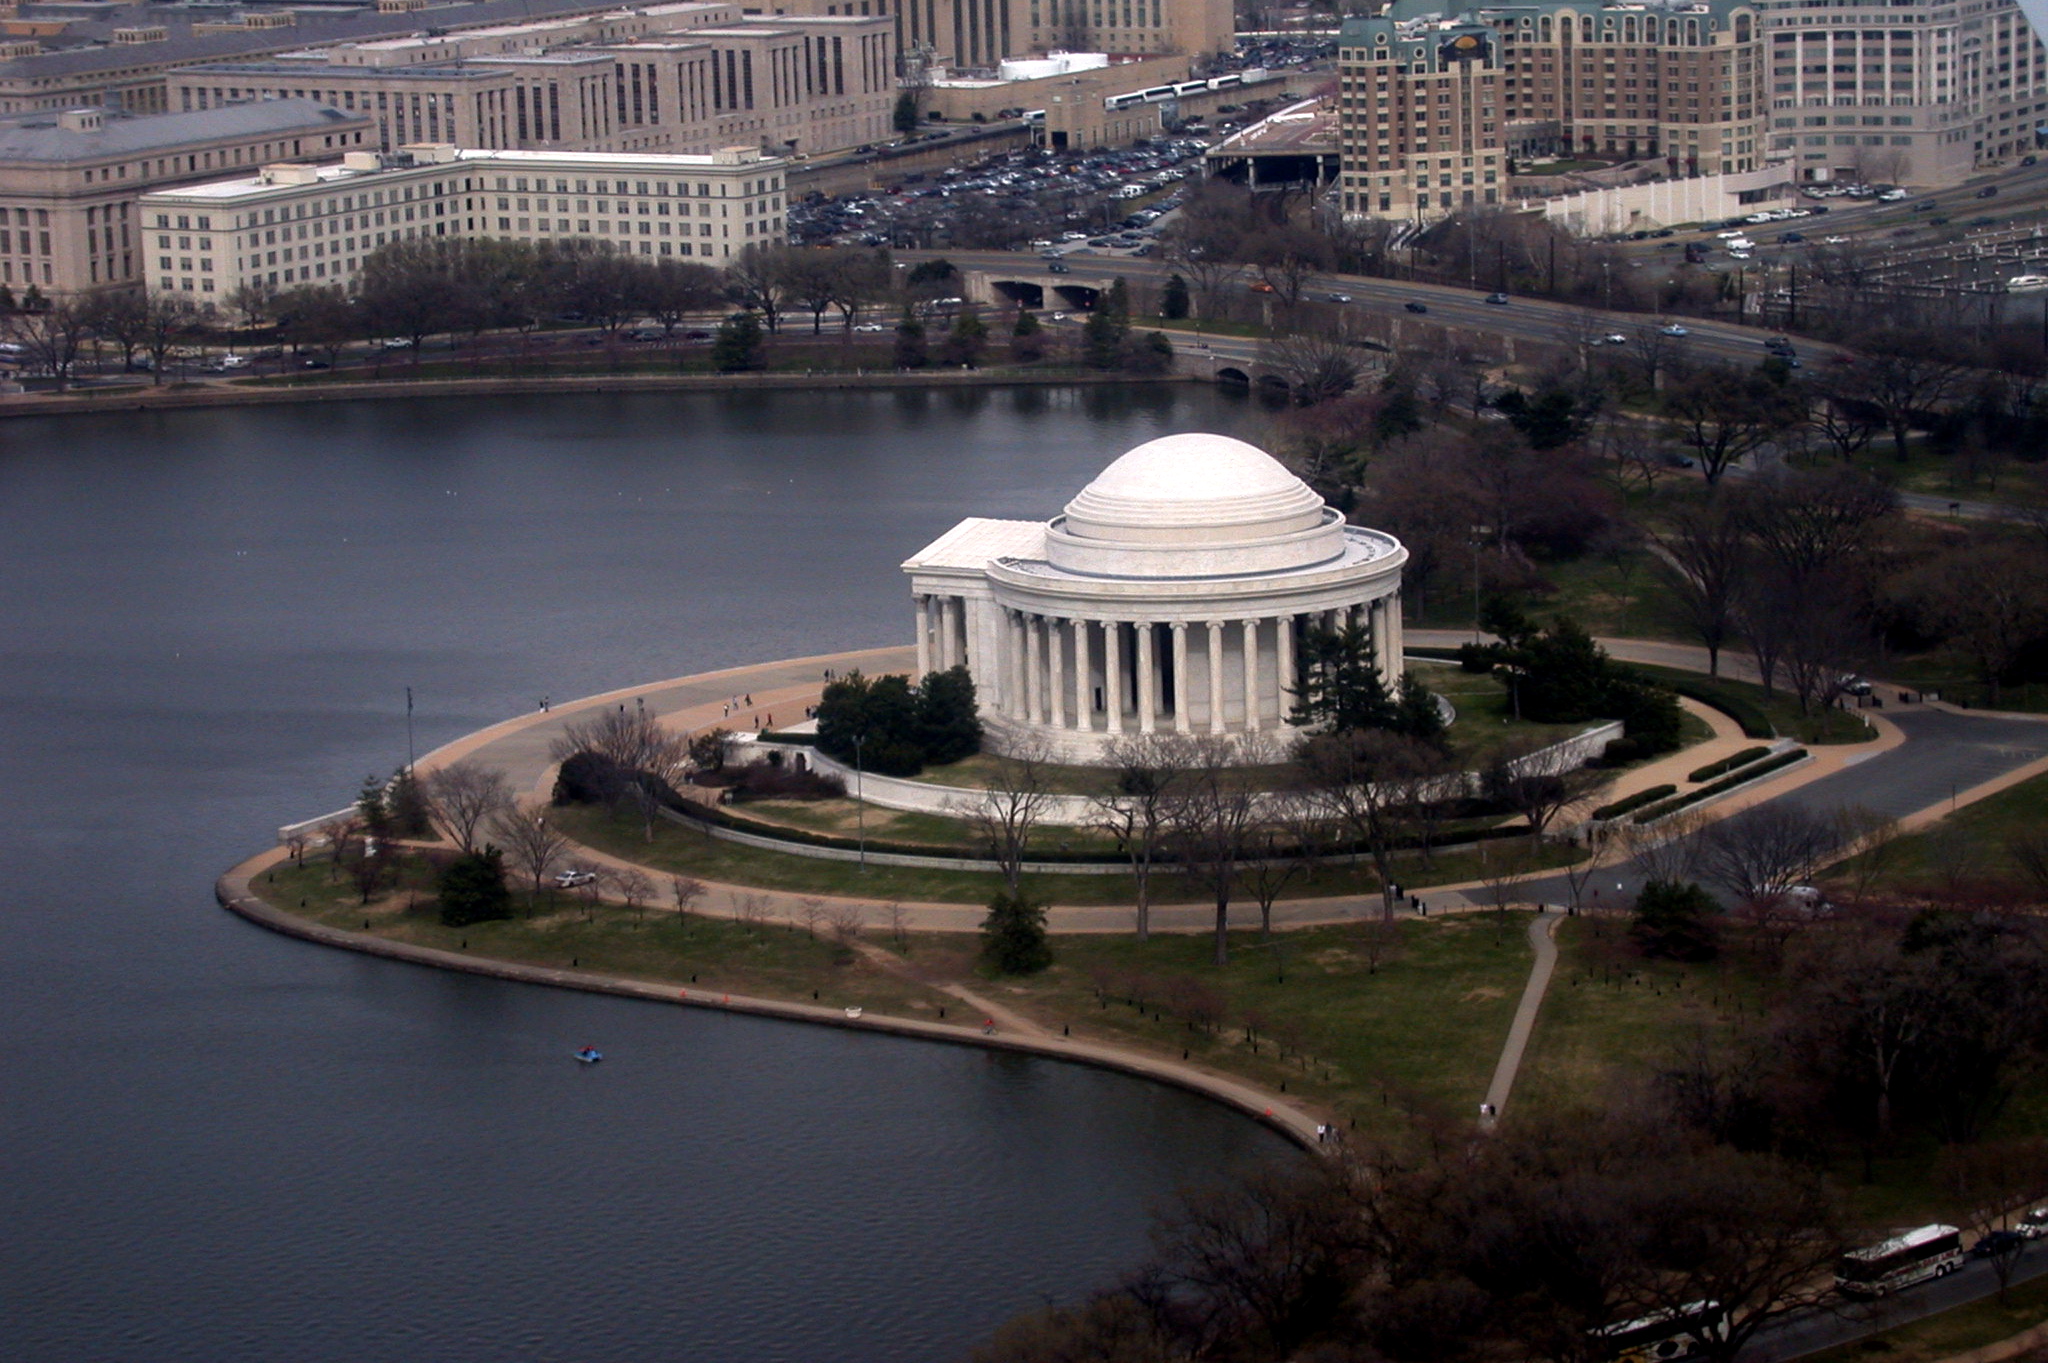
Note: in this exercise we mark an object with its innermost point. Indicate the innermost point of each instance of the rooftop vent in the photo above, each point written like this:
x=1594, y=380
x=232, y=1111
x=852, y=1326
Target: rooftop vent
x=80, y=120
x=135, y=37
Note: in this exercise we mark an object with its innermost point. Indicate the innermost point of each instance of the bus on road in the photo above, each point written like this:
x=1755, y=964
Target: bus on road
x=1668, y=1336
x=1914, y=1257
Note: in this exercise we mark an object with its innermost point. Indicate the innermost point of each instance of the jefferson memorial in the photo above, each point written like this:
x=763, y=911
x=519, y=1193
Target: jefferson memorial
x=1170, y=596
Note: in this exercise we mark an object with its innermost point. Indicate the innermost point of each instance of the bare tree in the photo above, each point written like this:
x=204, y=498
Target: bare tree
x=899, y=923
x=632, y=738
x=1724, y=415
x=1213, y=816
x=847, y=920
x=812, y=910
x=1539, y=781
x=750, y=910
x=635, y=887
x=533, y=845
x=1988, y=601
x=1707, y=550
x=462, y=796
x=341, y=833
x=1667, y=850
x=1008, y=810
x=686, y=891
x=1764, y=851
x=1148, y=769
x=1868, y=840
x=1372, y=784
x=1279, y=852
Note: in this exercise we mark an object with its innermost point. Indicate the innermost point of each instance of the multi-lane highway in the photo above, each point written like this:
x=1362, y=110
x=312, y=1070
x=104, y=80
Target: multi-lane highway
x=1524, y=319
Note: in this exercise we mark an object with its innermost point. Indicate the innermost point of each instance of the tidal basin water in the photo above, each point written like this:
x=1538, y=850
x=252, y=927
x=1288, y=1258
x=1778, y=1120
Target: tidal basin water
x=217, y=1144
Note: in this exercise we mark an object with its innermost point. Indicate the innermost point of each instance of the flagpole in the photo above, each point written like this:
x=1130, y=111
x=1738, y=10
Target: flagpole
x=408, y=732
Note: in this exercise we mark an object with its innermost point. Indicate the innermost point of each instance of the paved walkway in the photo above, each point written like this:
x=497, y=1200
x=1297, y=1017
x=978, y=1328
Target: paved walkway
x=1543, y=942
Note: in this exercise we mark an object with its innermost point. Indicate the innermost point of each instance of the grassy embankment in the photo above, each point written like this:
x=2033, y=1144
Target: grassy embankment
x=1372, y=1021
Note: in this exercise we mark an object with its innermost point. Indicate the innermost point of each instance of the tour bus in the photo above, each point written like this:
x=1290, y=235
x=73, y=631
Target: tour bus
x=1668, y=1336
x=1901, y=1261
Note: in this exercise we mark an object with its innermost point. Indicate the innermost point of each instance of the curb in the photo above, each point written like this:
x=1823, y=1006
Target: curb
x=234, y=893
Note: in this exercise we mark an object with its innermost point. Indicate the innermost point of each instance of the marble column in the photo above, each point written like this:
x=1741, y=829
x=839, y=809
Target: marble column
x=924, y=637
x=1148, y=676
x=1181, y=722
x=1084, y=712
x=1113, y=676
x=1013, y=672
x=1396, y=635
x=1251, y=676
x=952, y=631
x=1034, y=665
x=1215, y=628
x=1056, y=672
x=1284, y=629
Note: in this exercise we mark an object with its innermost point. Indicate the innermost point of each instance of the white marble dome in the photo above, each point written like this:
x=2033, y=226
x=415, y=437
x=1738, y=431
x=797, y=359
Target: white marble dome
x=1174, y=594
x=1195, y=505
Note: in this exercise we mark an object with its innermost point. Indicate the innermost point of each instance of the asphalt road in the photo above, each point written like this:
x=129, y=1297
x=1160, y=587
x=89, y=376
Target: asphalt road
x=1526, y=319
x=1812, y=1331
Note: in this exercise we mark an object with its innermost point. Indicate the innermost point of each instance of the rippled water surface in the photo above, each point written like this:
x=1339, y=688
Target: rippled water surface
x=217, y=1144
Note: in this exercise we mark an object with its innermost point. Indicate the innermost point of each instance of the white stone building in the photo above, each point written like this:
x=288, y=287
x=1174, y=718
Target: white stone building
x=1170, y=596
x=292, y=224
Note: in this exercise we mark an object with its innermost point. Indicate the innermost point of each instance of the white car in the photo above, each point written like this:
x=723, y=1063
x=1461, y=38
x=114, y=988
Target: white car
x=871, y=326
x=1674, y=330
x=574, y=876
x=1614, y=338
x=2034, y=1224
x=1892, y=196
x=232, y=361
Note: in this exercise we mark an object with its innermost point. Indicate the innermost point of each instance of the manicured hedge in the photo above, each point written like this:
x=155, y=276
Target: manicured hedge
x=1726, y=783
x=1755, y=724
x=1633, y=802
x=1728, y=764
x=718, y=816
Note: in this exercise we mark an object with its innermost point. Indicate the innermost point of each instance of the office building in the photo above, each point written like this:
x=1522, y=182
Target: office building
x=291, y=225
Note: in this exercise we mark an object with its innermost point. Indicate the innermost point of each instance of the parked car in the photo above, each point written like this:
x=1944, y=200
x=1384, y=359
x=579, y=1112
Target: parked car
x=1991, y=1244
x=2034, y=1224
x=1416, y=307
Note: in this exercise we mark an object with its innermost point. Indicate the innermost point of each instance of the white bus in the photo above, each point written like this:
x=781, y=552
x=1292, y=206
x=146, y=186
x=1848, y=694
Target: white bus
x=1914, y=1257
x=1668, y=1336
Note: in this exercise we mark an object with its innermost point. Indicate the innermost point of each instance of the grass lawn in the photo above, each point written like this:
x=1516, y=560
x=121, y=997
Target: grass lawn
x=1610, y=1014
x=1420, y=1030
x=1781, y=709
x=1955, y=679
x=560, y=929
x=677, y=850
x=1967, y=848
x=1951, y=1332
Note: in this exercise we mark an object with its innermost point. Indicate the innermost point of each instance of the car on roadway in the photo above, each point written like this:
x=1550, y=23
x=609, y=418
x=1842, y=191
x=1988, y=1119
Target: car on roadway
x=574, y=876
x=1498, y=299
x=1058, y=267
x=1416, y=307
x=872, y=326
x=1674, y=329
x=1778, y=345
x=2034, y=1224
x=1340, y=298
x=1988, y=192
x=1991, y=1244
x=1614, y=338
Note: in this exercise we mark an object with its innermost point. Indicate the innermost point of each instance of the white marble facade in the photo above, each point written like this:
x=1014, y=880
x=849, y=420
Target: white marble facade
x=1170, y=596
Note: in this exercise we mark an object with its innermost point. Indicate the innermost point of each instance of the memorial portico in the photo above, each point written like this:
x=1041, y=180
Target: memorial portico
x=1170, y=596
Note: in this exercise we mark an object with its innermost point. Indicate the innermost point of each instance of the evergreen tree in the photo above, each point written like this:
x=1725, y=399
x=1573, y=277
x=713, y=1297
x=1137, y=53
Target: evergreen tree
x=1560, y=675
x=374, y=813
x=1151, y=355
x=1102, y=339
x=406, y=805
x=904, y=119
x=948, y=729
x=967, y=339
x=1027, y=338
x=882, y=714
x=1174, y=302
x=739, y=346
x=1674, y=922
x=1013, y=940
x=472, y=889
x=910, y=350
x=1340, y=690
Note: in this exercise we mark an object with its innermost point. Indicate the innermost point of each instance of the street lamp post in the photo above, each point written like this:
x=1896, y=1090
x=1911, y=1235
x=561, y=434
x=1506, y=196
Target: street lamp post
x=860, y=809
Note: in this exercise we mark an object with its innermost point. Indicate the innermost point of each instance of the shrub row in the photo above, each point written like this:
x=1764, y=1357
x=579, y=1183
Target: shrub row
x=691, y=811
x=1755, y=723
x=1629, y=803
x=1726, y=783
x=1728, y=764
